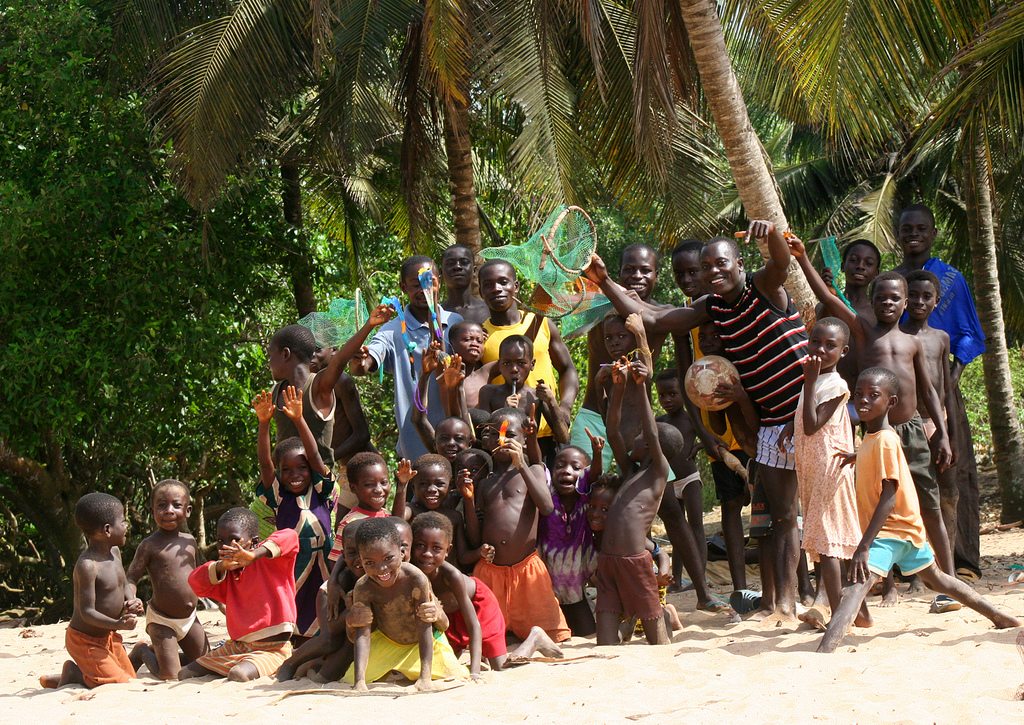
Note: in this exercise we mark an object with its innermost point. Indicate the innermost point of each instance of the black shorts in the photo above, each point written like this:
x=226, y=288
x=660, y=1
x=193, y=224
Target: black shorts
x=728, y=483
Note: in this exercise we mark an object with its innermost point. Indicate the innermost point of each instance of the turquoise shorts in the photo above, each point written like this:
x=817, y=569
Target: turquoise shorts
x=884, y=554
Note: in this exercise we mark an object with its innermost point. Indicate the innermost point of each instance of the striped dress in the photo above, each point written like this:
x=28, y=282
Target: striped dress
x=767, y=345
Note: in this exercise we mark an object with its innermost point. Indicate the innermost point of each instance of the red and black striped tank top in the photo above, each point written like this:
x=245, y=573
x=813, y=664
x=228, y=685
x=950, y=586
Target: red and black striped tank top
x=767, y=345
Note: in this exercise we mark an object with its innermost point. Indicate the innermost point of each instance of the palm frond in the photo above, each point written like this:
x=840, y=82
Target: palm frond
x=878, y=207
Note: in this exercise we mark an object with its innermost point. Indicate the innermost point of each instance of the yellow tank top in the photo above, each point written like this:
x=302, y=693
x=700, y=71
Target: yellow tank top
x=542, y=369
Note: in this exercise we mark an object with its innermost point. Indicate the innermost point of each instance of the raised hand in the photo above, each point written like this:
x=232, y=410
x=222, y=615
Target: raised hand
x=515, y=452
x=639, y=371
x=796, y=247
x=759, y=229
x=292, y=403
x=264, y=407
x=596, y=271
x=405, y=472
x=530, y=425
x=596, y=443
x=545, y=394
x=465, y=484
x=619, y=368
x=380, y=315
x=453, y=374
x=827, y=276
x=812, y=368
x=430, y=357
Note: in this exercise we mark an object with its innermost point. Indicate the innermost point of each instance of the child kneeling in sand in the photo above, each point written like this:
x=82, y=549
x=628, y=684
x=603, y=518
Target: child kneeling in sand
x=890, y=515
x=256, y=582
x=101, y=607
x=396, y=596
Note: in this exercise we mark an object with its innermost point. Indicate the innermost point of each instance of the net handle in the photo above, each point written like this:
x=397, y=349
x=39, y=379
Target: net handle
x=549, y=251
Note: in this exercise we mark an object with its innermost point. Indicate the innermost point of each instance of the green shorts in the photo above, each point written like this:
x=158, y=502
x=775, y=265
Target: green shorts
x=919, y=458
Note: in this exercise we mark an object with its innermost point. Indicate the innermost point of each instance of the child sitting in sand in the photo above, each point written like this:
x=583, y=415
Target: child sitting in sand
x=256, y=583
x=828, y=495
x=890, y=515
x=299, y=488
x=101, y=607
x=168, y=557
x=626, y=583
x=368, y=479
x=396, y=597
x=474, y=617
x=564, y=541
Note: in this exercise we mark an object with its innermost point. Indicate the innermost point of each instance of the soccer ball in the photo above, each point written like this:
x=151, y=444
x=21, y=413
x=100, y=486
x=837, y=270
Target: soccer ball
x=704, y=376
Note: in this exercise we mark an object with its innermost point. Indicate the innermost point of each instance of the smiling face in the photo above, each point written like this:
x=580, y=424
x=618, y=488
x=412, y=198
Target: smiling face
x=861, y=265
x=889, y=300
x=597, y=509
x=722, y=268
x=916, y=233
x=618, y=341
x=569, y=466
x=872, y=398
x=171, y=508
x=468, y=343
x=921, y=299
x=515, y=364
x=457, y=266
x=372, y=487
x=431, y=487
x=669, y=395
x=498, y=286
x=430, y=548
x=689, y=277
x=827, y=343
x=451, y=437
x=381, y=560
x=294, y=472
x=639, y=271
x=410, y=285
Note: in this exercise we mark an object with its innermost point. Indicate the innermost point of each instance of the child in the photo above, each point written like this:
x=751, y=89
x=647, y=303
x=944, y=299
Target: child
x=101, y=606
x=883, y=344
x=431, y=481
x=827, y=494
x=452, y=433
x=298, y=487
x=368, y=479
x=474, y=617
x=458, y=268
x=468, y=339
x=516, y=363
x=626, y=583
x=331, y=643
x=395, y=596
x=511, y=498
x=256, y=583
x=564, y=540
x=168, y=557
x=890, y=516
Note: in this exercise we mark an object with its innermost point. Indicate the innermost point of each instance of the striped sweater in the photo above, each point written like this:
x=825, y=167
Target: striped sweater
x=767, y=345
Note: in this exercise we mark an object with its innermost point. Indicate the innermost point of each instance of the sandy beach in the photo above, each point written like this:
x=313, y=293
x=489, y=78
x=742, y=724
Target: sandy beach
x=912, y=667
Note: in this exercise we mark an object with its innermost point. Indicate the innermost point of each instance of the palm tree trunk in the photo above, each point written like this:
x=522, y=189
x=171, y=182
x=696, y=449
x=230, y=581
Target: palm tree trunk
x=1007, y=441
x=458, y=147
x=746, y=156
x=300, y=267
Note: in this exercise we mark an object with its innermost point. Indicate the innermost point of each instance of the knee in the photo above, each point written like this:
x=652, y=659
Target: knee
x=241, y=673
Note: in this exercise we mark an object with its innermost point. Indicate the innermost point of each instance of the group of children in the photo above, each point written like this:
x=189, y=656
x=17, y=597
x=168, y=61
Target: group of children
x=498, y=529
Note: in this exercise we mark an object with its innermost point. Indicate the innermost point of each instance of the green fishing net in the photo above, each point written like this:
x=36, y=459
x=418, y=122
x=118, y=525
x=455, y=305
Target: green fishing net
x=834, y=261
x=340, y=322
x=553, y=259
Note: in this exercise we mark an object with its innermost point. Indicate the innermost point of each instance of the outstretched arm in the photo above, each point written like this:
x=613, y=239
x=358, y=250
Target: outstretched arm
x=773, y=275
x=264, y=407
x=833, y=305
x=292, y=404
x=659, y=464
x=323, y=385
x=404, y=475
x=614, y=420
x=568, y=376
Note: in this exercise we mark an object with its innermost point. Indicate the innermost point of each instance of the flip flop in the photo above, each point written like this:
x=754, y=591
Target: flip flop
x=943, y=603
x=715, y=605
x=967, y=574
x=745, y=600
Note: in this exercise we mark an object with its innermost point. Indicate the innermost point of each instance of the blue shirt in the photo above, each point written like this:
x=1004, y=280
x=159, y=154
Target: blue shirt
x=955, y=313
x=389, y=351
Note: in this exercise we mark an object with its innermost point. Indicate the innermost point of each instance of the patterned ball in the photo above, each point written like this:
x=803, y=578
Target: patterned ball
x=704, y=376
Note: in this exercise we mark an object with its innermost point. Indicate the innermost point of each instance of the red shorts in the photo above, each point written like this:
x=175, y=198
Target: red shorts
x=492, y=624
x=627, y=585
x=102, y=660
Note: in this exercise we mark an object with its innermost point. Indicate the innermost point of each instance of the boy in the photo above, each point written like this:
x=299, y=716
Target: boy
x=458, y=267
x=766, y=340
x=431, y=481
x=395, y=596
x=368, y=479
x=887, y=505
x=510, y=498
x=256, y=583
x=101, y=604
x=467, y=339
x=516, y=363
x=883, y=344
x=626, y=583
x=474, y=617
x=168, y=557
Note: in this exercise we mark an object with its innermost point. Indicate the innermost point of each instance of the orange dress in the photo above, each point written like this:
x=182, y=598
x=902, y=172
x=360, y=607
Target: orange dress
x=828, y=494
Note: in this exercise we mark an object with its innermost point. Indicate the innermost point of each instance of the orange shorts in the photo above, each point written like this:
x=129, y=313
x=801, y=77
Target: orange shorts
x=525, y=597
x=102, y=660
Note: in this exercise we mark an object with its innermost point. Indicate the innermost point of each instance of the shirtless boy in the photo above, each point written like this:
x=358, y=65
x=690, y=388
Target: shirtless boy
x=396, y=597
x=101, y=607
x=883, y=344
x=626, y=583
x=511, y=497
x=887, y=504
x=431, y=479
x=458, y=269
x=467, y=339
x=168, y=557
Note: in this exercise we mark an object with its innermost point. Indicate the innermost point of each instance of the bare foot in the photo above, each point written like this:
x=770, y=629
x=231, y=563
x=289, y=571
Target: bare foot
x=49, y=681
x=760, y=615
x=424, y=685
x=808, y=600
x=777, y=619
x=815, y=617
x=673, y=618
x=1005, y=621
x=890, y=597
x=916, y=586
x=537, y=641
x=360, y=687
x=863, y=621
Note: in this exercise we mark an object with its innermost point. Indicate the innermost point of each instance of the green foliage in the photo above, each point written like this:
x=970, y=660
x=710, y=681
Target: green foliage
x=972, y=385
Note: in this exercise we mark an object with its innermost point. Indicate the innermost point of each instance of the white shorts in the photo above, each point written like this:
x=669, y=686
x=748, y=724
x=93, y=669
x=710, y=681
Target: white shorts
x=682, y=483
x=768, y=453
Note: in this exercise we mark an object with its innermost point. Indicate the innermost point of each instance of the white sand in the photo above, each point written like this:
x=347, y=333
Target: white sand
x=912, y=667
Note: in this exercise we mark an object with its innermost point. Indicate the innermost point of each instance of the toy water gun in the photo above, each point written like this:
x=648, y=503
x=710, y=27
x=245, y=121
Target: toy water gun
x=502, y=431
x=410, y=346
x=830, y=253
x=426, y=278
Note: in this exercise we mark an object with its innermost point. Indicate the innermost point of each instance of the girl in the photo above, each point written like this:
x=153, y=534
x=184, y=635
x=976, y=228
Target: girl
x=564, y=539
x=822, y=428
x=296, y=484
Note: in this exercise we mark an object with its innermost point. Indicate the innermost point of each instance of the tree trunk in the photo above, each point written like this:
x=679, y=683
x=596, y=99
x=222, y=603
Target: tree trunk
x=1007, y=441
x=460, y=173
x=743, y=149
x=300, y=267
